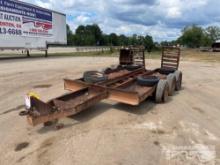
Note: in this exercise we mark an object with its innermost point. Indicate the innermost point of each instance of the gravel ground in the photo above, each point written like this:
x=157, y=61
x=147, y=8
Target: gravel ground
x=183, y=131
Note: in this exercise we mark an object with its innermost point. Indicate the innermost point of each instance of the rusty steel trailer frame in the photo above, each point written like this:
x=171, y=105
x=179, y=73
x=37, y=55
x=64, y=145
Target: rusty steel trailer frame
x=97, y=92
x=121, y=87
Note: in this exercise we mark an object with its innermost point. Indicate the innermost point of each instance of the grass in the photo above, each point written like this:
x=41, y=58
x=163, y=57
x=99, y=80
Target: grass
x=153, y=55
x=186, y=54
x=92, y=54
x=190, y=54
x=196, y=55
x=73, y=54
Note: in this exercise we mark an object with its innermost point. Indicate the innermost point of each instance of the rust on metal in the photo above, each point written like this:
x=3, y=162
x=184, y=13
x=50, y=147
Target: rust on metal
x=66, y=105
x=132, y=56
x=121, y=86
x=170, y=57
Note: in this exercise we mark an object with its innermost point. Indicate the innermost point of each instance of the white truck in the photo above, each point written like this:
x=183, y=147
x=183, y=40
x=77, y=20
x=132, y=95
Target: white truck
x=26, y=26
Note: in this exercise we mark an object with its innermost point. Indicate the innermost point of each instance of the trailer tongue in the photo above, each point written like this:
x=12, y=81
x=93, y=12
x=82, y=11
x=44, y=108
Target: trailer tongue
x=63, y=106
x=128, y=83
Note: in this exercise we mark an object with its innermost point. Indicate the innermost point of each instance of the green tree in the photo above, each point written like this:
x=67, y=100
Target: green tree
x=148, y=43
x=69, y=34
x=88, y=35
x=133, y=40
x=92, y=35
x=123, y=40
x=105, y=41
x=96, y=31
x=140, y=40
x=192, y=36
x=206, y=41
x=80, y=35
x=213, y=33
x=195, y=36
x=113, y=39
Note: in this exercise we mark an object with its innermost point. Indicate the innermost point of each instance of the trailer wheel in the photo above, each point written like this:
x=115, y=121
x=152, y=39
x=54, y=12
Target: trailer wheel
x=94, y=76
x=171, y=78
x=178, y=75
x=147, y=80
x=162, y=91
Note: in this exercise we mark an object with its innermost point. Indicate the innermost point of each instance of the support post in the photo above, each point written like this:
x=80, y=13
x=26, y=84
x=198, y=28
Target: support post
x=28, y=53
x=46, y=53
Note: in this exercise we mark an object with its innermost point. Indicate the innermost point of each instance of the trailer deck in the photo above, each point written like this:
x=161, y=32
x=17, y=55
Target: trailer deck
x=121, y=85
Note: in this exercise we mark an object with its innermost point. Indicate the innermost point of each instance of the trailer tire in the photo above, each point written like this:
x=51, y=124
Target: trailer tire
x=171, y=79
x=94, y=76
x=111, y=69
x=132, y=67
x=147, y=80
x=179, y=76
x=165, y=71
x=162, y=90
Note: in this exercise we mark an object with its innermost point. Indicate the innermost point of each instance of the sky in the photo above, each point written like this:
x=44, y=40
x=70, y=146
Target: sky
x=162, y=19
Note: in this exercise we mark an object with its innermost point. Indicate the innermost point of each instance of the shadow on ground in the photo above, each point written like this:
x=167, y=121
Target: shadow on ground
x=102, y=107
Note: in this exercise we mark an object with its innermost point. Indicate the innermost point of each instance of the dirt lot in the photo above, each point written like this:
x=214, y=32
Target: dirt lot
x=110, y=133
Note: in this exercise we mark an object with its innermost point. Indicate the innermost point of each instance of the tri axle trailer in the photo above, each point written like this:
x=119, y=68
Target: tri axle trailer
x=129, y=83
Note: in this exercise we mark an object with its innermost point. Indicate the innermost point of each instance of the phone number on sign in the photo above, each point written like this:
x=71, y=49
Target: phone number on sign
x=10, y=31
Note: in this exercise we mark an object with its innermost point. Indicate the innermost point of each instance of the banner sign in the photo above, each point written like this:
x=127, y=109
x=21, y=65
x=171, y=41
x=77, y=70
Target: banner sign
x=19, y=19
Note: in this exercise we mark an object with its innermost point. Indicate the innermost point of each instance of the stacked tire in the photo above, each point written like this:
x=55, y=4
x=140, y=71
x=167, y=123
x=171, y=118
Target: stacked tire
x=94, y=77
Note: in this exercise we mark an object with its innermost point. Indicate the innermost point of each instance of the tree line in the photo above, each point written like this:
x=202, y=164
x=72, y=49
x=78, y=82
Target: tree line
x=195, y=36
x=91, y=35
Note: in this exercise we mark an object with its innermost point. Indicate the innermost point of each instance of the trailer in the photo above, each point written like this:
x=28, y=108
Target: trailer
x=129, y=83
x=24, y=26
